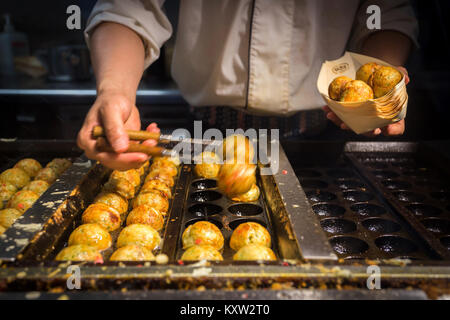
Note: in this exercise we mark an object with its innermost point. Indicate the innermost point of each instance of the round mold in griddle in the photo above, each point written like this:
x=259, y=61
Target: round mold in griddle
x=328, y=210
x=396, y=184
x=348, y=245
x=420, y=209
x=204, y=209
x=441, y=196
x=446, y=242
x=205, y=196
x=395, y=245
x=320, y=196
x=436, y=225
x=340, y=173
x=204, y=184
x=379, y=225
x=235, y=223
x=307, y=173
x=245, y=209
x=337, y=226
x=217, y=223
x=357, y=196
x=407, y=196
x=349, y=184
x=385, y=174
x=313, y=184
x=368, y=209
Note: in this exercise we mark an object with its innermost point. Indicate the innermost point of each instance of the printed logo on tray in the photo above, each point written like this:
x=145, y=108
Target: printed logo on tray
x=340, y=68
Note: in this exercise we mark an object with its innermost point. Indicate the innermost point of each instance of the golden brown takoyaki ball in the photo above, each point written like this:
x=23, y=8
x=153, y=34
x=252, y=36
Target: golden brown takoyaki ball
x=8, y=216
x=144, y=214
x=37, y=186
x=131, y=175
x=132, y=253
x=236, y=179
x=204, y=252
x=160, y=174
x=207, y=165
x=139, y=234
x=154, y=199
x=250, y=196
x=165, y=166
x=356, y=91
x=47, y=174
x=100, y=213
x=384, y=80
x=202, y=233
x=59, y=165
x=7, y=190
x=254, y=252
x=249, y=233
x=366, y=70
x=175, y=160
x=91, y=234
x=113, y=200
x=2, y=230
x=159, y=185
x=30, y=166
x=336, y=86
x=16, y=176
x=237, y=148
x=120, y=186
x=79, y=252
x=23, y=200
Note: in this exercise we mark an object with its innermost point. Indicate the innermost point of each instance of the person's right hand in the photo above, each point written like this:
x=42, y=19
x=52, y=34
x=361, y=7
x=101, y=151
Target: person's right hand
x=116, y=113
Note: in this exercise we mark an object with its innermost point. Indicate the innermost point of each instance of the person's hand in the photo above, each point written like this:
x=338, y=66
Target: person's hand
x=393, y=129
x=116, y=113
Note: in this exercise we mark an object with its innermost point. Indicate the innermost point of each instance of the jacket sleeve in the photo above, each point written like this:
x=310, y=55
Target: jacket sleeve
x=145, y=17
x=396, y=15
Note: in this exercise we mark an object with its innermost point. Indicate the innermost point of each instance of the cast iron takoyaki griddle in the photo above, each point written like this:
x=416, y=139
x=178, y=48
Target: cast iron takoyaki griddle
x=417, y=189
x=357, y=222
x=205, y=202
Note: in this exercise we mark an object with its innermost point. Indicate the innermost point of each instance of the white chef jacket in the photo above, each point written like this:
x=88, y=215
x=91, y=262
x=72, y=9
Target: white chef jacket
x=262, y=56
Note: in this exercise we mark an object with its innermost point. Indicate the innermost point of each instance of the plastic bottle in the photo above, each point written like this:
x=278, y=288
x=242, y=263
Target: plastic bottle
x=12, y=44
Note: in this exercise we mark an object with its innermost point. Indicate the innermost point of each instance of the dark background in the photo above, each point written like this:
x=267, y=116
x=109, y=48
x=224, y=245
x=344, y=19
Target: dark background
x=44, y=22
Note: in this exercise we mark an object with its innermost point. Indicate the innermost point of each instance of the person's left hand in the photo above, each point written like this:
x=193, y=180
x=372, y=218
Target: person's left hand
x=393, y=129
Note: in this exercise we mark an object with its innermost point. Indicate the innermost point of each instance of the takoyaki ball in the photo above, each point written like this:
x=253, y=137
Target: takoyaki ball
x=159, y=185
x=207, y=165
x=23, y=200
x=131, y=175
x=120, y=186
x=356, y=91
x=204, y=252
x=2, y=230
x=16, y=176
x=113, y=200
x=59, y=165
x=79, y=252
x=250, y=196
x=175, y=160
x=336, y=86
x=91, y=234
x=237, y=149
x=100, y=213
x=144, y=214
x=236, y=178
x=132, y=253
x=7, y=190
x=162, y=175
x=139, y=234
x=249, y=233
x=37, y=186
x=165, y=166
x=254, y=252
x=202, y=233
x=366, y=70
x=47, y=174
x=8, y=216
x=30, y=166
x=384, y=80
x=154, y=199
